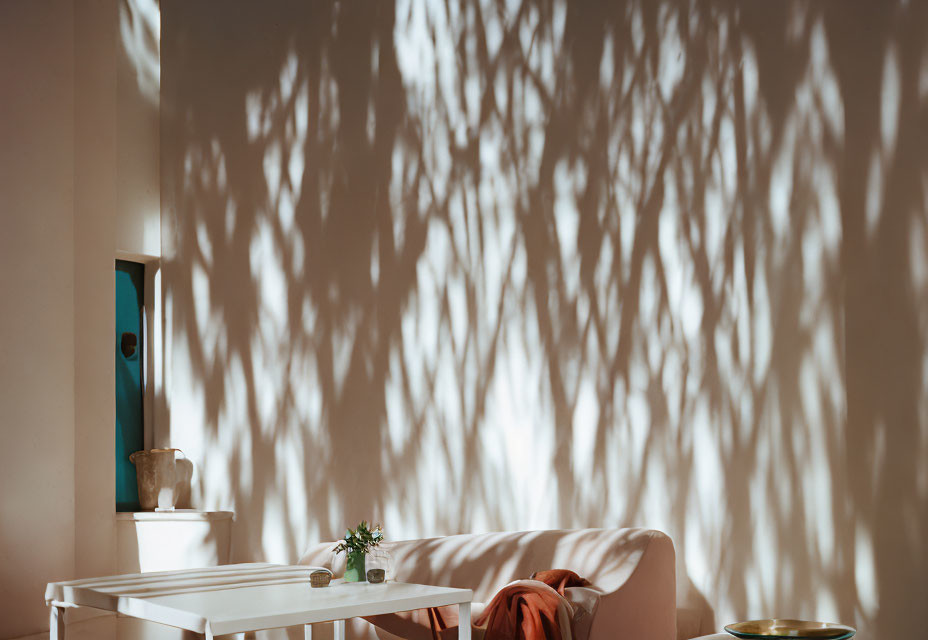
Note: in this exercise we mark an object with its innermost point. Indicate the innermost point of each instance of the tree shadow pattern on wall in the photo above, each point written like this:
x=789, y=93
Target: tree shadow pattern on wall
x=474, y=265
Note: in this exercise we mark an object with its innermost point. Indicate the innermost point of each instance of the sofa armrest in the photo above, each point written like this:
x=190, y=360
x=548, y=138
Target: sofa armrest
x=644, y=606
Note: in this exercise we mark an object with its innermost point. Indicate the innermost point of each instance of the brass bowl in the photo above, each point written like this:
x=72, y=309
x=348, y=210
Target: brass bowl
x=790, y=629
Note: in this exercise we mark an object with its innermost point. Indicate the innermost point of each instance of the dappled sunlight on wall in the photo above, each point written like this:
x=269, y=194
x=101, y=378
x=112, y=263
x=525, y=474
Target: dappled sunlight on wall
x=140, y=34
x=475, y=266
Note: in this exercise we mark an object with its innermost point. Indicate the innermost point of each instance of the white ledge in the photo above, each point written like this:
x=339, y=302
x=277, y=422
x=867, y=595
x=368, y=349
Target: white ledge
x=186, y=515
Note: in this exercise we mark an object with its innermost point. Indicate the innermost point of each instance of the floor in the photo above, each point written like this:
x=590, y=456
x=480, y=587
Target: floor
x=113, y=628
x=110, y=627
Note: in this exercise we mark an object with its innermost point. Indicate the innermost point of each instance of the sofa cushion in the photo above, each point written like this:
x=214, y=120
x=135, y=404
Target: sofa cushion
x=584, y=601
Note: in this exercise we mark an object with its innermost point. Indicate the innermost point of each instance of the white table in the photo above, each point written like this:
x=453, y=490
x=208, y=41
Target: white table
x=246, y=597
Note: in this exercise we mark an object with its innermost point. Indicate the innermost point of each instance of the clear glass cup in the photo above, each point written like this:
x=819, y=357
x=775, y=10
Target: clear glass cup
x=380, y=558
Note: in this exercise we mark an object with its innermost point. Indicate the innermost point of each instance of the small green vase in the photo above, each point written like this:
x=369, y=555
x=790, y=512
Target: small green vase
x=355, y=569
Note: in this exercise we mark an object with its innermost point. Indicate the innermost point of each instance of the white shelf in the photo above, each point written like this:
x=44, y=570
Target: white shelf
x=185, y=515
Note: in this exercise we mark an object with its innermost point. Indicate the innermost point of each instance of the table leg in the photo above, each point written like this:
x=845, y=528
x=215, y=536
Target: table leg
x=339, y=630
x=464, y=621
x=56, y=622
x=308, y=632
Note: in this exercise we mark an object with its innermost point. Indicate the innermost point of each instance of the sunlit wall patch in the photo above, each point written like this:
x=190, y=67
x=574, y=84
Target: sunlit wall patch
x=140, y=34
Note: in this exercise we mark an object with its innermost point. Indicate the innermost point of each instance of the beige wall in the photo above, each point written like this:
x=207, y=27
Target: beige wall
x=58, y=224
x=641, y=263
x=37, y=337
x=95, y=163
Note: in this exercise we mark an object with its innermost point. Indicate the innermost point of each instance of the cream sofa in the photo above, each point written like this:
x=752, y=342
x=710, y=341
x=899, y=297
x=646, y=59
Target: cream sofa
x=635, y=568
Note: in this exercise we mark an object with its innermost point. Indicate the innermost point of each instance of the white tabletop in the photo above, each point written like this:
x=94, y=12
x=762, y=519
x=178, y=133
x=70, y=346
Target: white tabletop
x=245, y=597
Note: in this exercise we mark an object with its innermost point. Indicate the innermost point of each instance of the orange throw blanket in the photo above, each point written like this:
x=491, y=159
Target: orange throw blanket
x=523, y=610
x=560, y=579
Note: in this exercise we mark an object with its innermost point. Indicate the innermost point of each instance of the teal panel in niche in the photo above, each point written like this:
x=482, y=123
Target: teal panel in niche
x=130, y=278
